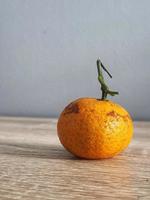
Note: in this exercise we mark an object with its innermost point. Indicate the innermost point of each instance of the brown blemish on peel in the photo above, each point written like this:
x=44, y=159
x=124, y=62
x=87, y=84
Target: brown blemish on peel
x=116, y=115
x=71, y=108
x=112, y=113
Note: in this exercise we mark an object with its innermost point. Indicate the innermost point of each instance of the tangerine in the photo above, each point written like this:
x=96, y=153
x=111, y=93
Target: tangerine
x=95, y=128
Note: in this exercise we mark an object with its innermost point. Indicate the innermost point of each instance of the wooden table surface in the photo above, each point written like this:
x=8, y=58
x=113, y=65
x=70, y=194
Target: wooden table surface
x=33, y=165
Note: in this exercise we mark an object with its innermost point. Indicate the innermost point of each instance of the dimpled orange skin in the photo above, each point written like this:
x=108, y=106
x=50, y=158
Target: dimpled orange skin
x=94, y=129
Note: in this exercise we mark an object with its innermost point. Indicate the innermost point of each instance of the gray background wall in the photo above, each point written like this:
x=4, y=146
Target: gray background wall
x=48, y=50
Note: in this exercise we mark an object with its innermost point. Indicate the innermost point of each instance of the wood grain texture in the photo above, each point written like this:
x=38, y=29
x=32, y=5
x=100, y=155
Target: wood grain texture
x=33, y=165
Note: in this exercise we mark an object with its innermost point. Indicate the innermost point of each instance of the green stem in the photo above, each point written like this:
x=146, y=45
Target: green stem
x=104, y=87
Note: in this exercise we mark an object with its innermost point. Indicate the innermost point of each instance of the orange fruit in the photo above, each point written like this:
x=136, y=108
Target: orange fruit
x=92, y=129
x=95, y=128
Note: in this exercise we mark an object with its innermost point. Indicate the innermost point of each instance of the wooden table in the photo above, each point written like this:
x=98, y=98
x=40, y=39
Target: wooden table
x=33, y=165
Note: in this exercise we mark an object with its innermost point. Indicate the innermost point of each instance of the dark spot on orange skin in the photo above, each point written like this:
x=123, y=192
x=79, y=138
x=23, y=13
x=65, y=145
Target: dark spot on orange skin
x=71, y=108
x=112, y=113
x=92, y=110
x=116, y=115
